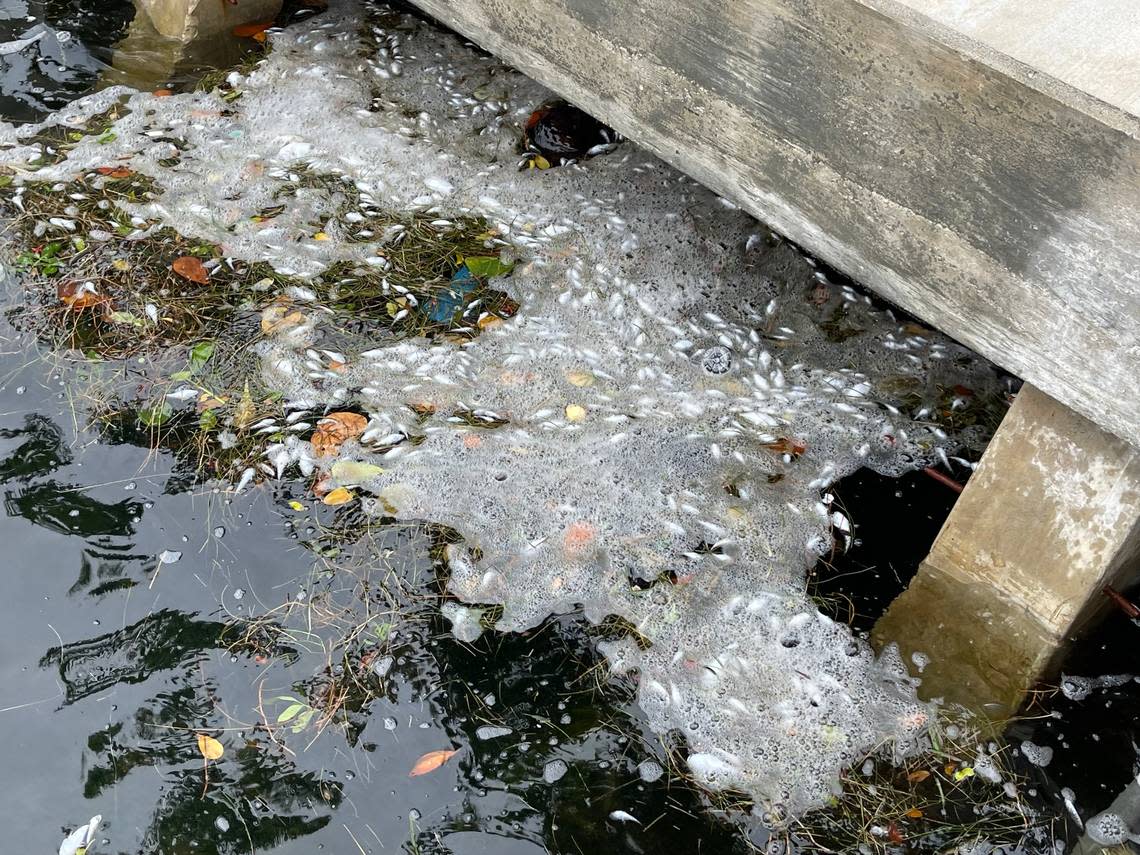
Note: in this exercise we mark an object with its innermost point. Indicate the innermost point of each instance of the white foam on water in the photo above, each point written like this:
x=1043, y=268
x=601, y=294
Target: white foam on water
x=674, y=403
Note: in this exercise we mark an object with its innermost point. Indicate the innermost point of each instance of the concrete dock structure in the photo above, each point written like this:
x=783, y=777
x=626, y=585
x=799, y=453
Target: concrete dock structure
x=976, y=162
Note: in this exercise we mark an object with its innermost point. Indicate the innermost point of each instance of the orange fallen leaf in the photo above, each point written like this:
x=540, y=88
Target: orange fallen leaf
x=913, y=813
x=251, y=29
x=80, y=295
x=277, y=317
x=210, y=748
x=189, y=267
x=162, y=93
x=115, y=171
x=578, y=538
x=334, y=429
x=339, y=496
x=432, y=761
x=787, y=445
x=918, y=777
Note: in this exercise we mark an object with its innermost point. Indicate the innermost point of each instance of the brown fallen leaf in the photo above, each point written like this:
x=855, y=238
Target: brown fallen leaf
x=432, y=761
x=919, y=776
x=115, y=171
x=787, y=445
x=277, y=317
x=189, y=267
x=162, y=93
x=80, y=295
x=334, y=429
x=339, y=496
x=209, y=747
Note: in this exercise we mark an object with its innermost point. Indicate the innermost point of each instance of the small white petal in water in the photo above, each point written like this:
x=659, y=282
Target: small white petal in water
x=79, y=841
x=622, y=816
x=554, y=771
x=169, y=556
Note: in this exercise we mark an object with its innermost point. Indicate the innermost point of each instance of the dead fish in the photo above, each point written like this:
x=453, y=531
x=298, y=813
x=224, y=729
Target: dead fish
x=17, y=45
x=623, y=816
x=79, y=841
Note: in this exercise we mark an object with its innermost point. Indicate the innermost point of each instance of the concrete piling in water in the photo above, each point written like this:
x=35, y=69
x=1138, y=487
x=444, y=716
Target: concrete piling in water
x=1051, y=516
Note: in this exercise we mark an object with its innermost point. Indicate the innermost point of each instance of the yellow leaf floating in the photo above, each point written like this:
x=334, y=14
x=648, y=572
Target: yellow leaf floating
x=339, y=496
x=575, y=413
x=432, y=761
x=320, y=236
x=210, y=748
x=963, y=773
x=580, y=378
x=295, y=505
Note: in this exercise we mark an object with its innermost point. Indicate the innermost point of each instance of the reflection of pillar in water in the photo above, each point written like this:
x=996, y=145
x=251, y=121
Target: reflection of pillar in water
x=1050, y=517
x=168, y=34
x=187, y=20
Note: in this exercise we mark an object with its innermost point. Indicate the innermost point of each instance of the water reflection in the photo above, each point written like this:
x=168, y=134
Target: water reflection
x=163, y=640
x=65, y=61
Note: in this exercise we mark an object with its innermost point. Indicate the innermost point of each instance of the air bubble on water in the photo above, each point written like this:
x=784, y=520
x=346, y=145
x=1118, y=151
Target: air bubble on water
x=239, y=593
x=222, y=824
x=1108, y=829
x=169, y=556
x=650, y=771
x=389, y=723
x=130, y=486
x=1038, y=755
x=219, y=531
x=1076, y=688
x=490, y=731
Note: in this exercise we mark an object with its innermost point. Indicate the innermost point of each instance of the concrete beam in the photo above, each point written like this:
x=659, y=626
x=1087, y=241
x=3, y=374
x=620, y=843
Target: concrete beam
x=1051, y=515
x=997, y=201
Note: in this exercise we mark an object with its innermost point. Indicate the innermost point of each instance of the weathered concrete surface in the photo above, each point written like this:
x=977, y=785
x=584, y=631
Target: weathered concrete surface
x=1090, y=46
x=1050, y=516
x=187, y=20
x=995, y=201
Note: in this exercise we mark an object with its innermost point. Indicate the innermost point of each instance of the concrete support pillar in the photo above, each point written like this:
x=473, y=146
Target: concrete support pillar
x=187, y=20
x=1051, y=515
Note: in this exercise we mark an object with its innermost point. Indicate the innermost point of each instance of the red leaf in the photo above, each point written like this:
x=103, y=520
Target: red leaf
x=191, y=268
x=893, y=833
x=115, y=171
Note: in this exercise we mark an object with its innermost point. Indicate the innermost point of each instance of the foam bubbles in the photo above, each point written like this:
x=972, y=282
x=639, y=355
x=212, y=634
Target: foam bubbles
x=647, y=439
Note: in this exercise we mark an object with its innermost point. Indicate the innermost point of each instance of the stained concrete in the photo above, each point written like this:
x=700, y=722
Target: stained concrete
x=1089, y=44
x=998, y=202
x=1051, y=515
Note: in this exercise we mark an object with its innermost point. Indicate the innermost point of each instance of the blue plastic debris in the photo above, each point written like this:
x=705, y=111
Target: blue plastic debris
x=442, y=308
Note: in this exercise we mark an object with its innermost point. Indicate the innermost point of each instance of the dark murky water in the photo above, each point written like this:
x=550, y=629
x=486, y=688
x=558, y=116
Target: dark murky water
x=107, y=673
x=112, y=661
